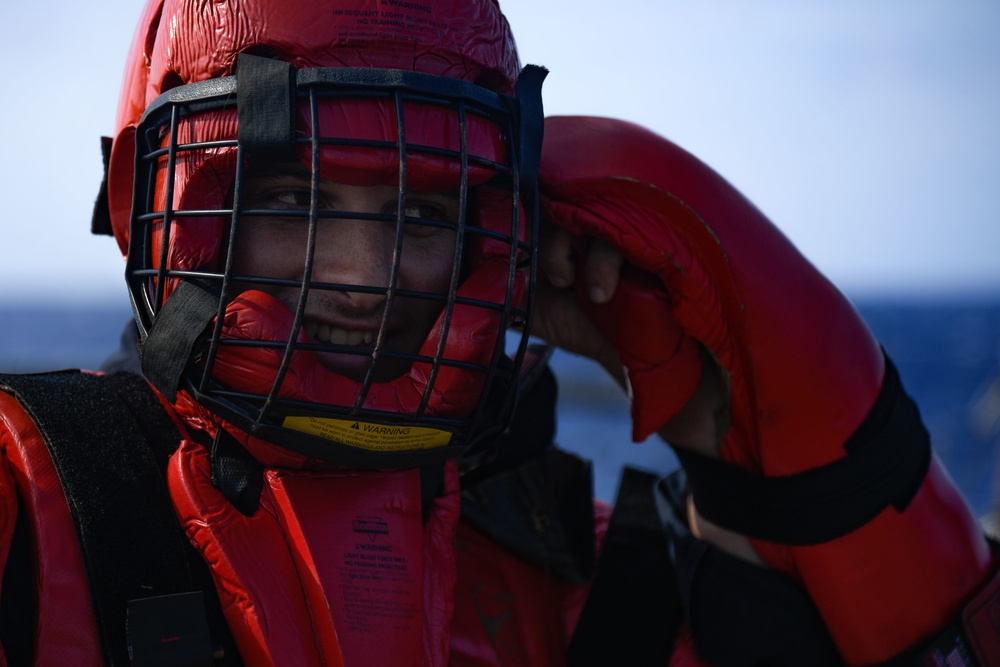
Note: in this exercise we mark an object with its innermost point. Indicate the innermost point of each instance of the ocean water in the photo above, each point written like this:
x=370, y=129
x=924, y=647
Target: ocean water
x=947, y=351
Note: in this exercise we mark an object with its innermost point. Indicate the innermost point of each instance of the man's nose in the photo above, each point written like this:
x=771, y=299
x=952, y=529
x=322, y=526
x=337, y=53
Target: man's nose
x=355, y=252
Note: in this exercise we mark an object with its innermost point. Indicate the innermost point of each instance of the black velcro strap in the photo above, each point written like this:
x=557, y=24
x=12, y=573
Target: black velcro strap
x=887, y=459
x=265, y=96
x=633, y=609
x=176, y=329
x=109, y=439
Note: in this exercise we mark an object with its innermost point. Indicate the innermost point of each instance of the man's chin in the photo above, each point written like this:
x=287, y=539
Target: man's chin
x=356, y=366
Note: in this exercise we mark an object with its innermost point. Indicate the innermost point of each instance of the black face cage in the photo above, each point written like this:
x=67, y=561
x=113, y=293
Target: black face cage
x=180, y=341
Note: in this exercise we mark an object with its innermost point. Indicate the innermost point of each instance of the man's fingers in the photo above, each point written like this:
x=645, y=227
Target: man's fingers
x=603, y=268
x=602, y=265
x=555, y=256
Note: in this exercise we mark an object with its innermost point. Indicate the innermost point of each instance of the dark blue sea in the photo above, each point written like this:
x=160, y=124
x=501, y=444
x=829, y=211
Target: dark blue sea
x=948, y=352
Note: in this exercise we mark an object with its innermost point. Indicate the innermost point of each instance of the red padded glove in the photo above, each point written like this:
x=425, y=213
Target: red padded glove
x=662, y=365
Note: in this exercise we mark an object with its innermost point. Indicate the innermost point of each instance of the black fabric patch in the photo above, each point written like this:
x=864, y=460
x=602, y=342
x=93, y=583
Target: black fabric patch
x=169, y=631
x=887, y=459
x=542, y=511
x=739, y=614
x=634, y=609
x=236, y=473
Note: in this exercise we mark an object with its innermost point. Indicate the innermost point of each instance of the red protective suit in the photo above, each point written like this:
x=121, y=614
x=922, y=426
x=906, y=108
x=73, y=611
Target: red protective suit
x=334, y=567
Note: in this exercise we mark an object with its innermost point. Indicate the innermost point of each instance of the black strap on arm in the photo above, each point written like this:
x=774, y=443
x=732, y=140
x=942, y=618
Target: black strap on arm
x=109, y=439
x=886, y=462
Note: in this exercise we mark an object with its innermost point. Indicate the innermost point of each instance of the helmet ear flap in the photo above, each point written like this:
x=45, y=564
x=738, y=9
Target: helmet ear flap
x=120, y=187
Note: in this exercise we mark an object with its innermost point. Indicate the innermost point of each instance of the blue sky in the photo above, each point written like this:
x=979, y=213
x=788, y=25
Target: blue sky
x=868, y=131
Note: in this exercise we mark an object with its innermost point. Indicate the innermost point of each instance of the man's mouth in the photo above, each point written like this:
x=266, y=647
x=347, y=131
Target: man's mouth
x=324, y=333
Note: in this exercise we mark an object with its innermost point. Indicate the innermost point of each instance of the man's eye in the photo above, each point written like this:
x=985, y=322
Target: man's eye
x=429, y=218
x=293, y=199
x=424, y=211
x=280, y=200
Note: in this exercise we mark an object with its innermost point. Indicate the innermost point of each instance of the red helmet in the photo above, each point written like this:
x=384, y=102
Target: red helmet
x=415, y=102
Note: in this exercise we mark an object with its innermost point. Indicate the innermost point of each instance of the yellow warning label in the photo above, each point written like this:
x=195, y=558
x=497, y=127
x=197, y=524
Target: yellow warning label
x=373, y=437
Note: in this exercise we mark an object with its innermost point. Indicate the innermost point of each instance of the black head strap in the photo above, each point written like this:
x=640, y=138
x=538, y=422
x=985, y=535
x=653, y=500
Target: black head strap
x=531, y=120
x=265, y=105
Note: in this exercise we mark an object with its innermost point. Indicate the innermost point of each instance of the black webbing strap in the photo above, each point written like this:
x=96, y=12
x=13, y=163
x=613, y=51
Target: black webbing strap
x=109, y=440
x=177, y=327
x=887, y=459
x=634, y=608
x=265, y=104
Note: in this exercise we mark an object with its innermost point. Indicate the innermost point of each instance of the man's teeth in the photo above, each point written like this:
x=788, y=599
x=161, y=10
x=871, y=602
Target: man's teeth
x=324, y=333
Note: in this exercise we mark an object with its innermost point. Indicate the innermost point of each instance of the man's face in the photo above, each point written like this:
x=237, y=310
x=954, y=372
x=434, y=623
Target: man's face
x=350, y=251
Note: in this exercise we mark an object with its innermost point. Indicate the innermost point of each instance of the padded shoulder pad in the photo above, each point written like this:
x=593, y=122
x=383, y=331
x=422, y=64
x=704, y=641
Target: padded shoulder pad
x=109, y=439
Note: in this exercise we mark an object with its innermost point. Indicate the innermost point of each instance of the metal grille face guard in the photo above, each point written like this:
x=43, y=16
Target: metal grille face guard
x=246, y=357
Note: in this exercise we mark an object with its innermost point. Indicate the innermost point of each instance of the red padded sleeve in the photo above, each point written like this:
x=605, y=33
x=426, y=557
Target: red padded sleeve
x=803, y=371
x=66, y=632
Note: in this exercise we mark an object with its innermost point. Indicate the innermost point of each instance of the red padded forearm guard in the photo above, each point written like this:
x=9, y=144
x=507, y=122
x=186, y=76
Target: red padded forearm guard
x=803, y=371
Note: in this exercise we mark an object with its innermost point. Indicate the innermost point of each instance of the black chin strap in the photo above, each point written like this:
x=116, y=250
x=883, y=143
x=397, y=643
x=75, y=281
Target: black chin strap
x=177, y=327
